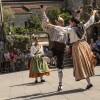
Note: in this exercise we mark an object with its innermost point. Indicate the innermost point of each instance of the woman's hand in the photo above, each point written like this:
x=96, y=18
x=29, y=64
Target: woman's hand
x=97, y=22
x=95, y=11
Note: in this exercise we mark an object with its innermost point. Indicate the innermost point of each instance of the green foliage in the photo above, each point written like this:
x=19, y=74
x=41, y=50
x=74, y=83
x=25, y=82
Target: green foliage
x=53, y=14
x=8, y=14
x=6, y=27
x=17, y=41
x=21, y=42
x=66, y=16
x=34, y=24
x=20, y=30
x=84, y=16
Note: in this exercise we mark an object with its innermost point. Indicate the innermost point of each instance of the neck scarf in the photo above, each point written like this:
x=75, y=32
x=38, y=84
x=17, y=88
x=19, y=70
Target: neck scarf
x=79, y=30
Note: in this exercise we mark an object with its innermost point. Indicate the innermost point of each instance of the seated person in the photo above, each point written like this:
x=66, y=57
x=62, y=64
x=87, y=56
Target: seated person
x=97, y=45
x=96, y=49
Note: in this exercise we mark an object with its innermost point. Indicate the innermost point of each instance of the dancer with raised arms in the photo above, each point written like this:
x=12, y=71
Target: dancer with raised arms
x=83, y=58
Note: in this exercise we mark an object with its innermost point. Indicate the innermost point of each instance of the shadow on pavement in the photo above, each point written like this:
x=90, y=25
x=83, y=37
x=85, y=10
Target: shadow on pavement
x=97, y=75
x=43, y=95
x=27, y=84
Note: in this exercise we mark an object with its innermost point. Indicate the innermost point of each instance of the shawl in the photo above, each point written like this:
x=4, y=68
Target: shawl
x=79, y=30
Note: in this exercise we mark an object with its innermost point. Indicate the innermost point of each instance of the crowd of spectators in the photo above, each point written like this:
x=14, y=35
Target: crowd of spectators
x=15, y=60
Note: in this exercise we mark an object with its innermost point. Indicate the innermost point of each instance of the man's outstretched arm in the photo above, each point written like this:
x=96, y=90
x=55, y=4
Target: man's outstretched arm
x=45, y=19
x=46, y=25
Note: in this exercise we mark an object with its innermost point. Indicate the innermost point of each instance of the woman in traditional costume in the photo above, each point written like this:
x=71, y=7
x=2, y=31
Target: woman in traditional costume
x=83, y=57
x=38, y=67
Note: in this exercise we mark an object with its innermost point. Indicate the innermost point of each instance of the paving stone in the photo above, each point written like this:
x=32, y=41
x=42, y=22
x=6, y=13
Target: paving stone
x=18, y=86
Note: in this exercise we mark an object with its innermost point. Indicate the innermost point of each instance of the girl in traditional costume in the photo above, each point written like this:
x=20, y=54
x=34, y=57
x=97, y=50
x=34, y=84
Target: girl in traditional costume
x=38, y=67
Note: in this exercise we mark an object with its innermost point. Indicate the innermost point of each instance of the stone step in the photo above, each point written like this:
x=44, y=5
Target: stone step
x=68, y=65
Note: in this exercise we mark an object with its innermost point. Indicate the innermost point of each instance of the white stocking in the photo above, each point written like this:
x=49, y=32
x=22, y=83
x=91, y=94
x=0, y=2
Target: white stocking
x=60, y=75
x=88, y=81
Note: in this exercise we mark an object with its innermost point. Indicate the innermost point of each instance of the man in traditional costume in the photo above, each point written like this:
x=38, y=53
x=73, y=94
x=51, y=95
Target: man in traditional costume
x=83, y=57
x=59, y=45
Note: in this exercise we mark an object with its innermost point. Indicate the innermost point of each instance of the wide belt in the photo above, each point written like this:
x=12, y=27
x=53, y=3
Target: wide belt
x=59, y=46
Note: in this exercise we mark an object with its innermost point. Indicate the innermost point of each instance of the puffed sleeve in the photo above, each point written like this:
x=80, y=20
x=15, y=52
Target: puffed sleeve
x=45, y=22
x=42, y=50
x=45, y=18
x=90, y=22
x=32, y=52
x=64, y=30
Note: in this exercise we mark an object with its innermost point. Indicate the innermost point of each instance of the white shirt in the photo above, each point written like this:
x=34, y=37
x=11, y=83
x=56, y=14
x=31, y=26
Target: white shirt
x=34, y=50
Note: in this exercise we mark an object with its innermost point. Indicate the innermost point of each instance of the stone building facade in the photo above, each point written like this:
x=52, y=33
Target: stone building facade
x=23, y=9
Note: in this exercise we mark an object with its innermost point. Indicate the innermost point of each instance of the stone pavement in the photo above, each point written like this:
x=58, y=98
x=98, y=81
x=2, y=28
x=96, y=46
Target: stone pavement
x=18, y=86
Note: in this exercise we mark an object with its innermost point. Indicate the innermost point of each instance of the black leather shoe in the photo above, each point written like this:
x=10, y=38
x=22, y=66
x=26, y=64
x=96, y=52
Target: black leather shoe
x=60, y=87
x=89, y=86
x=36, y=81
x=43, y=81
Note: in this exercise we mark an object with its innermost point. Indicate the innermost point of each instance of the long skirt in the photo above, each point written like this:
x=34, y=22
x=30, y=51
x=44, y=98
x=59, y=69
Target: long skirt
x=83, y=60
x=38, y=67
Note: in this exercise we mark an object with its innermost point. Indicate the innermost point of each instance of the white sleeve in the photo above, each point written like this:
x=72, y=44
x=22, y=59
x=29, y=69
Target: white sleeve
x=41, y=50
x=64, y=30
x=32, y=52
x=90, y=22
x=45, y=18
x=45, y=21
x=48, y=30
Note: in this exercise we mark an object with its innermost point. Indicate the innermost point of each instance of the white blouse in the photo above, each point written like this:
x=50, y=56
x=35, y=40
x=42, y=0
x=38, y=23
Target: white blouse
x=34, y=50
x=61, y=33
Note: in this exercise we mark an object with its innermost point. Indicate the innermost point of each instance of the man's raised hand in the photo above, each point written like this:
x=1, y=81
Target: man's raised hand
x=43, y=8
x=95, y=11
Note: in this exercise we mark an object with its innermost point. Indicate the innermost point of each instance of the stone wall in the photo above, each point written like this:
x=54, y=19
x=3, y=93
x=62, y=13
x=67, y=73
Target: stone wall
x=98, y=3
x=75, y=4
x=21, y=19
